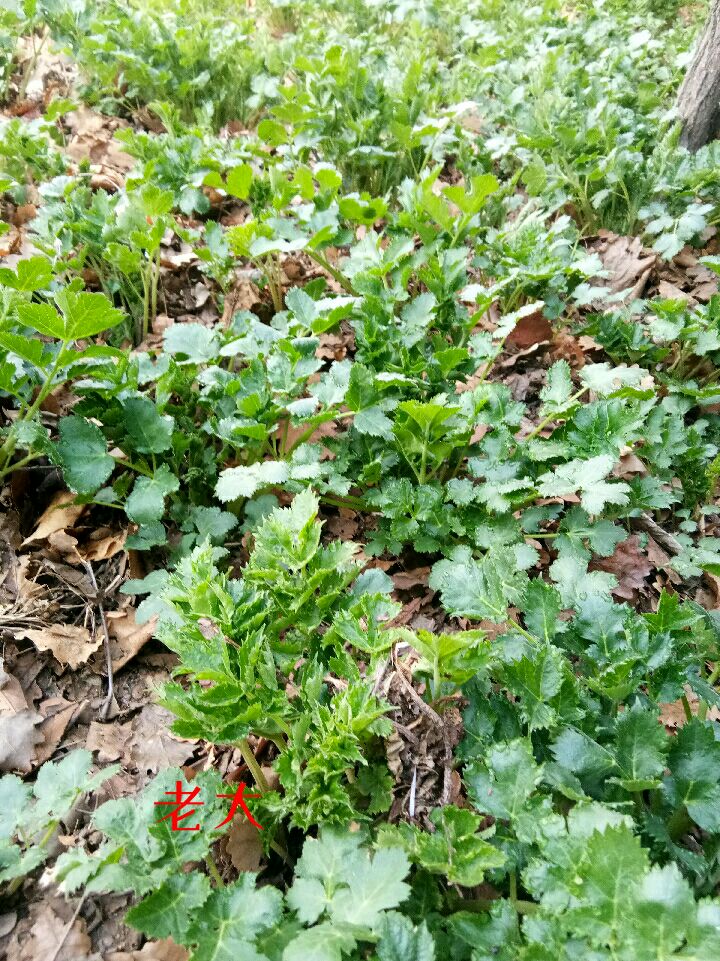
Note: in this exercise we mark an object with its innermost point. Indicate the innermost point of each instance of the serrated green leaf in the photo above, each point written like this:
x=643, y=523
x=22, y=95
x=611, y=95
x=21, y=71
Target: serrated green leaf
x=400, y=940
x=146, y=503
x=482, y=588
x=168, y=911
x=588, y=477
x=149, y=431
x=232, y=918
x=82, y=453
x=31, y=274
x=236, y=482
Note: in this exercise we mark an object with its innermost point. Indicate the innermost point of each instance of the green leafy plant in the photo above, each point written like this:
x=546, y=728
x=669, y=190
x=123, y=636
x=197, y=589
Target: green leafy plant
x=74, y=316
x=32, y=814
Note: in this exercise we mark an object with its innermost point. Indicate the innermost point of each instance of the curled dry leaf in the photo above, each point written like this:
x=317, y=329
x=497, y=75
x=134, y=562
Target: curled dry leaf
x=18, y=726
x=58, y=714
x=126, y=636
x=60, y=515
x=627, y=265
x=103, y=544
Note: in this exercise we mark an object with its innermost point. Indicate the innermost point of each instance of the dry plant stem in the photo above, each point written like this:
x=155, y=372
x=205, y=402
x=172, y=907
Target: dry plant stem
x=105, y=709
x=68, y=928
x=436, y=719
x=647, y=525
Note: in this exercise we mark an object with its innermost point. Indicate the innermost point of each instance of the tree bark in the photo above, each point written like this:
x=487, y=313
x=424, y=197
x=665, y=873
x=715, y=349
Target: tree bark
x=699, y=97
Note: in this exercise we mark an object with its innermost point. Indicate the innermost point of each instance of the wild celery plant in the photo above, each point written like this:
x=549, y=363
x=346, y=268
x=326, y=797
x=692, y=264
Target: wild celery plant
x=32, y=368
x=20, y=18
x=200, y=60
x=32, y=814
x=296, y=602
x=115, y=237
x=389, y=176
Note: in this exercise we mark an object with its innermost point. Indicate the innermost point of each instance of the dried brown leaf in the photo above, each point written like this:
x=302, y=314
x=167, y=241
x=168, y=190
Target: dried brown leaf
x=57, y=714
x=49, y=939
x=18, y=736
x=243, y=845
x=109, y=740
x=69, y=644
x=60, y=515
x=165, y=950
x=126, y=636
x=152, y=747
x=629, y=564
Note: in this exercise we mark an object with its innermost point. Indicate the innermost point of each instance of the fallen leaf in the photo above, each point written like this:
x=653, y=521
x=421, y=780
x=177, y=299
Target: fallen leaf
x=7, y=923
x=69, y=644
x=628, y=266
x=60, y=515
x=18, y=737
x=670, y=292
x=343, y=525
x=101, y=546
x=57, y=714
x=530, y=330
x=630, y=566
x=656, y=555
x=418, y=576
x=109, y=740
x=243, y=845
x=49, y=940
x=165, y=950
x=12, y=698
x=673, y=714
x=65, y=544
x=629, y=465
x=126, y=636
x=566, y=347
x=152, y=747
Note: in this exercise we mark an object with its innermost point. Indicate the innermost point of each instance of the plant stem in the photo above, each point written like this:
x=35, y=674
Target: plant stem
x=686, y=707
x=213, y=869
x=333, y=271
x=154, y=281
x=243, y=745
x=543, y=423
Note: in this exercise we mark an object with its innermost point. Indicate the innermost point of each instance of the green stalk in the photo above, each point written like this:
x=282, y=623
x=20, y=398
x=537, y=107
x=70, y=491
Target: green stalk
x=154, y=281
x=213, y=869
x=423, y=459
x=8, y=448
x=311, y=430
x=703, y=707
x=243, y=746
x=143, y=332
x=686, y=707
x=333, y=271
x=347, y=502
x=551, y=417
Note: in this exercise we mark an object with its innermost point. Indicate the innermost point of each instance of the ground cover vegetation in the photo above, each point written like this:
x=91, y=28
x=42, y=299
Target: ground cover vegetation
x=360, y=441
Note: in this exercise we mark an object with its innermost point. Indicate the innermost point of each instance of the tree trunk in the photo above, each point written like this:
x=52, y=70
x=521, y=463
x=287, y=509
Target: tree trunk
x=699, y=97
